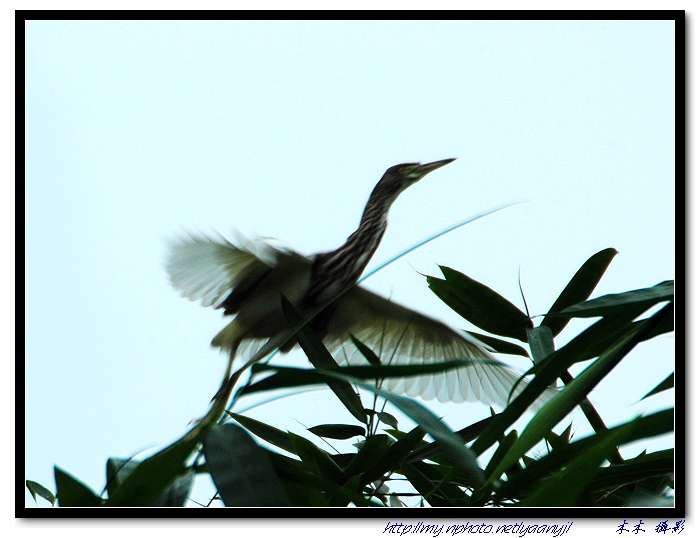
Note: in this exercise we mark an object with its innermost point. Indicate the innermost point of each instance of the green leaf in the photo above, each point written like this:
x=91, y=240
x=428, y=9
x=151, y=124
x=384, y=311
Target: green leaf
x=118, y=470
x=453, y=447
x=73, y=493
x=424, y=485
x=302, y=487
x=480, y=305
x=654, y=465
x=451, y=444
x=579, y=288
x=241, y=470
x=653, y=425
x=393, y=455
x=370, y=453
x=435, y=483
x=468, y=434
x=500, y=346
x=618, y=303
x=541, y=343
x=319, y=356
x=504, y=445
x=388, y=419
x=295, y=377
x=600, y=336
x=337, y=431
x=317, y=460
x=666, y=384
x=565, y=488
x=272, y=435
x=561, y=404
x=153, y=476
x=37, y=489
x=368, y=354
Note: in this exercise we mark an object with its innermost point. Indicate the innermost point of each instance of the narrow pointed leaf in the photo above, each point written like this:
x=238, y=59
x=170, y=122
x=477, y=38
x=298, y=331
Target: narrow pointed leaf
x=656, y=464
x=480, y=305
x=459, y=456
x=368, y=354
x=71, y=492
x=154, y=475
x=653, y=425
x=241, y=470
x=666, y=384
x=619, y=303
x=268, y=433
x=301, y=486
x=504, y=445
x=600, y=336
x=118, y=470
x=320, y=357
x=468, y=434
x=565, y=488
x=37, y=489
x=561, y=404
x=370, y=453
x=337, y=431
x=292, y=377
x=393, y=455
x=317, y=460
x=500, y=346
x=424, y=485
x=579, y=288
x=439, y=490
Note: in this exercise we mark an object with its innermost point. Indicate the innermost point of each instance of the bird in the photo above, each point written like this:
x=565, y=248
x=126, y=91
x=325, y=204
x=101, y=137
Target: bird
x=247, y=278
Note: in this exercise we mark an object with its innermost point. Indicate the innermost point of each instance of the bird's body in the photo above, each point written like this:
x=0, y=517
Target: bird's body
x=248, y=280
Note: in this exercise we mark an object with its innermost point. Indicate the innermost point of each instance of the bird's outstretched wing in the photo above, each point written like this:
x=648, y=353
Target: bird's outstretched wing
x=245, y=279
x=399, y=335
x=210, y=268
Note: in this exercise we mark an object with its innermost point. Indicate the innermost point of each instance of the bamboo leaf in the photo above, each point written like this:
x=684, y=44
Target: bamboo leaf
x=37, y=489
x=241, y=470
x=320, y=357
x=579, y=288
x=71, y=492
x=337, y=431
x=500, y=346
x=619, y=303
x=648, y=426
x=541, y=342
x=268, y=433
x=565, y=488
x=480, y=305
x=317, y=460
x=561, y=404
x=666, y=384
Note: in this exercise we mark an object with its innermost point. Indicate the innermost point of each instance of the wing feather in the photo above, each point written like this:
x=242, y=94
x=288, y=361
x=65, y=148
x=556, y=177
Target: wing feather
x=209, y=269
x=399, y=335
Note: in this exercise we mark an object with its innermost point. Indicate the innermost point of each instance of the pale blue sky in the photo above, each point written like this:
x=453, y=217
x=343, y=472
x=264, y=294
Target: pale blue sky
x=137, y=130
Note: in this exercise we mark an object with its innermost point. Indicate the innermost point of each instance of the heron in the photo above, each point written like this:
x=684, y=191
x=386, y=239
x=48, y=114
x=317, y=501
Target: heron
x=246, y=280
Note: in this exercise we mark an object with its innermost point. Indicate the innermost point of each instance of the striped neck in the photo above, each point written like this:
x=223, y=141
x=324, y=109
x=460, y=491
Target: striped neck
x=334, y=271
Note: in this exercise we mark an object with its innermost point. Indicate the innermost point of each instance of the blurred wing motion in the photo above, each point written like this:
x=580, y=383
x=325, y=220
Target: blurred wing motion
x=399, y=335
x=247, y=281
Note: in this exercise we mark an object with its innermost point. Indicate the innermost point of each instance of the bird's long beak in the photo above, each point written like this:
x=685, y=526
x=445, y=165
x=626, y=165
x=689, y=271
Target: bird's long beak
x=423, y=169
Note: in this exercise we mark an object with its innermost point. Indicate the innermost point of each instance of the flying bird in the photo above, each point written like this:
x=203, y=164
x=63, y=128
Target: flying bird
x=246, y=281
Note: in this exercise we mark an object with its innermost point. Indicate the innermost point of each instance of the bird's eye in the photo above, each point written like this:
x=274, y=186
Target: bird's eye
x=405, y=170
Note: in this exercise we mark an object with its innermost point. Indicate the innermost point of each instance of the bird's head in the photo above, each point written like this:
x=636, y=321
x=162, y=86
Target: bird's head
x=398, y=178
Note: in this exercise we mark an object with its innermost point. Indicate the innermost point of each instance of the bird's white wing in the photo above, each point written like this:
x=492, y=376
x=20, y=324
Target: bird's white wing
x=399, y=335
x=244, y=279
x=208, y=269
